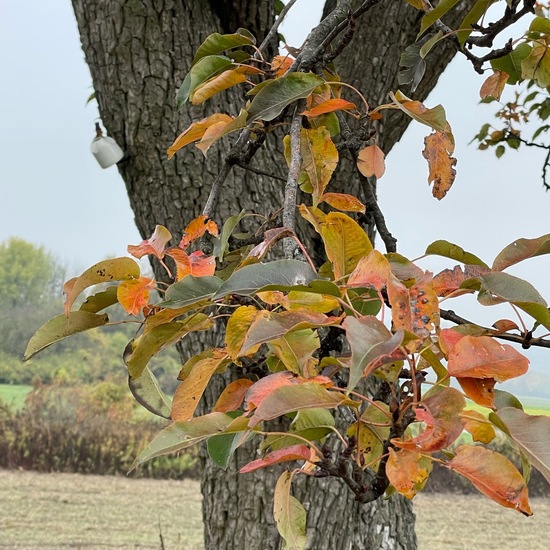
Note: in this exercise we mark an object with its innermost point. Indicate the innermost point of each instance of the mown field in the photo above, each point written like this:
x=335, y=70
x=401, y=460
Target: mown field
x=93, y=512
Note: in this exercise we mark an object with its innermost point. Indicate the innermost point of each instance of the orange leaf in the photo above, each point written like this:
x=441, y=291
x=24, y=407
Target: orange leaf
x=183, y=263
x=440, y=412
x=483, y=357
x=438, y=149
x=494, y=85
x=133, y=295
x=504, y=325
x=328, y=107
x=196, y=131
x=189, y=392
x=294, y=452
x=217, y=84
x=154, y=245
x=372, y=271
x=212, y=134
x=448, y=337
x=479, y=390
x=370, y=161
x=477, y=425
x=232, y=396
x=196, y=229
x=449, y=281
x=405, y=473
x=201, y=264
x=237, y=329
x=281, y=63
x=341, y=201
x=493, y=475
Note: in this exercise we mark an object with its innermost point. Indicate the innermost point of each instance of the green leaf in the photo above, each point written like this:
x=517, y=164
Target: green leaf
x=412, y=66
x=431, y=17
x=289, y=514
x=142, y=349
x=473, y=16
x=278, y=94
x=60, y=327
x=540, y=24
x=107, y=271
x=369, y=340
x=520, y=250
x=505, y=399
x=429, y=44
x=147, y=392
x=295, y=349
x=532, y=436
x=205, y=68
x=100, y=301
x=222, y=447
x=217, y=43
x=252, y=278
x=511, y=63
x=453, y=251
x=190, y=290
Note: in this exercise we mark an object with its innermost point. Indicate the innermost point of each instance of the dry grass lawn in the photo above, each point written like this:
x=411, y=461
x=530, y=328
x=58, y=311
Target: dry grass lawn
x=58, y=511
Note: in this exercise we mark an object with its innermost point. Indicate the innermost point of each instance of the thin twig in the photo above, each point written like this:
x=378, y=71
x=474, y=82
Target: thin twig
x=275, y=26
x=291, y=187
x=259, y=171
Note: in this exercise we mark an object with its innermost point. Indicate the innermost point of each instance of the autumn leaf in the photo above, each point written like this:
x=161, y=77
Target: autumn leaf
x=520, y=250
x=155, y=245
x=196, y=131
x=435, y=117
x=329, y=106
x=280, y=64
x=236, y=330
x=493, y=475
x=133, y=295
x=449, y=281
x=232, y=396
x=215, y=85
x=494, y=85
x=370, y=161
x=484, y=357
x=405, y=472
x=343, y=202
x=437, y=151
x=479, y=390
x=294, y=452
x=289, y=514
x=478, y=426
x=372, y=270
x=196, y=229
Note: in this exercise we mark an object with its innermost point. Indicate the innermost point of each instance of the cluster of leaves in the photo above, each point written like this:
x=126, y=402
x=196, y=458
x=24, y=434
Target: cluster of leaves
x=301, y=342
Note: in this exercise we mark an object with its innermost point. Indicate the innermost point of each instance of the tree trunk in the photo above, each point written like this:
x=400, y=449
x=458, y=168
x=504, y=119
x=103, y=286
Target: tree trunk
x=138, y=52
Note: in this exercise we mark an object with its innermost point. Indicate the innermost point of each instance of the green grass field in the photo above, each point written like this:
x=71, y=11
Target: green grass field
x=14, y=395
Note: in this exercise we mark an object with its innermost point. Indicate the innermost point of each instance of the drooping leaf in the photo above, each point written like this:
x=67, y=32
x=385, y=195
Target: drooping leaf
x=520, y=250
x=196, y=131
x=434, y=118
x=147, y=393
x=190, y=290
x=272, y=99
x=62, y=326
x=294, y=452
x=437, y=151
x=493, y=475
x=329, y=106
x=455, y=252
x=343, y=202
x=143, y=348
x=295, y=397
x=107, y=271
x=232, y=396
x=204, y=69
x=251, y=278
x=133, y=295
x=405, y=472
x=433, y=15
x=484, y=357
x=370, y=342
x=280, y=64
x=478, y=426
x=289, y=514
x=370, y=161
x=154, y=245
x=531, y=434
x=494, y=85
x=271, y=236
x=189, y=392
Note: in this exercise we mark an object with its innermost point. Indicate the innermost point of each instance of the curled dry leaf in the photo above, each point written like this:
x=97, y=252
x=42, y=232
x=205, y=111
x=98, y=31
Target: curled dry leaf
x=438, y=149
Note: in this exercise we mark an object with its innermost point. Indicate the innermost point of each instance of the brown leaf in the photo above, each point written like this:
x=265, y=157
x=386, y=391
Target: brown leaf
x=494, y=85
x=493, y=475
x=196, y=229
x=437, y=151
x=370, y=161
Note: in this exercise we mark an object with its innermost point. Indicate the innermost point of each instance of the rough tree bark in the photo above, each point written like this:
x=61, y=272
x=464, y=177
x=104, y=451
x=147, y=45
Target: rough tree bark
x=138, y=52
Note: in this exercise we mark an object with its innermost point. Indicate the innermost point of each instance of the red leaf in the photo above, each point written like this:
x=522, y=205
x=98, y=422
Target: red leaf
x=504, y=325
x=449, y=281
x=294, y=452
x=196, y=229
x=201, y=264
x=448, y=338
x=483, y=357
x=493, y=475
x=133, y=295
x=154, y=245
x=232, y=396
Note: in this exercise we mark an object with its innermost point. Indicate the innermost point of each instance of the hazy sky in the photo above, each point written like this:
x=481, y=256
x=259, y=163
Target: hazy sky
x=54, y=193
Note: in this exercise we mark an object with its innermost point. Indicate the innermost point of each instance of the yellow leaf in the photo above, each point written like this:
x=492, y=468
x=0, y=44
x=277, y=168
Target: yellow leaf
x=477, y=425
x=341, y=201
x=438, y=149
x=405, y=473
x=370, y=161
x=217, y=84
x=236, y=330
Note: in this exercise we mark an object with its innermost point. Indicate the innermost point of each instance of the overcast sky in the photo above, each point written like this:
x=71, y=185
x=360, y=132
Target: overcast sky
x=54, y=193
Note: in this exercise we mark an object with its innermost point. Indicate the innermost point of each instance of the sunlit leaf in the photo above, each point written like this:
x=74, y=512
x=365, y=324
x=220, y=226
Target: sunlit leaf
x=147, y=393
x=294, y=452
x=493, y=475
x=133, y=295
x=370, y=161
x=484, y=357
x=62, y=326
x=279, y=93
x=289, y=514
x=520, y=250
x=405, y=472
